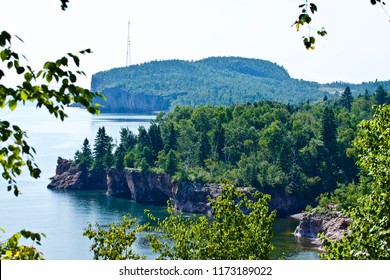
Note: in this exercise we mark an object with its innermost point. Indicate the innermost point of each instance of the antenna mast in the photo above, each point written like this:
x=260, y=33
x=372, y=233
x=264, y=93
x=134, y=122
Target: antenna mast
x=128, y=57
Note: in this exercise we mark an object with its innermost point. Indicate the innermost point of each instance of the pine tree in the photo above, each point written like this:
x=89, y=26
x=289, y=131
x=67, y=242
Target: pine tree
x=155, y=140
x=328, y=130
x=170, y=165
x=170, y=139
x=84, y=156
x=380, y=96
x=102, y=149
x=346, y=98
x=127, y=143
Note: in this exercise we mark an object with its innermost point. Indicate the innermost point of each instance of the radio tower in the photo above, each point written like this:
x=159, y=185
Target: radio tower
x=128, y=58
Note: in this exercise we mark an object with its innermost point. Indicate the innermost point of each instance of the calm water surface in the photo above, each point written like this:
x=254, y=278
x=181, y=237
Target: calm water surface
x=63, y=215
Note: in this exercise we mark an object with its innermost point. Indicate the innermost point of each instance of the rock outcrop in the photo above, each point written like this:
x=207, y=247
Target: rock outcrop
x=117, y=185
x=143, y=187
x=194, y=197
x=118, y=100
x=285, y=203
x=152, y=188
x=332, y=224
x=148, y=187
x=70, y=176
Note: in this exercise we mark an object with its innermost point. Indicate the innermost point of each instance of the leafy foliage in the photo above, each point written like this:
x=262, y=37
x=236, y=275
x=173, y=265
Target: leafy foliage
x=12, y=250
x=240, y=228
x=15, y=152
x=305, y=18
x=114, y=243
x=369, y=236
x=54, y=100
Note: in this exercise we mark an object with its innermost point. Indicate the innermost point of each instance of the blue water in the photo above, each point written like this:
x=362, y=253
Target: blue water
x=63, y=215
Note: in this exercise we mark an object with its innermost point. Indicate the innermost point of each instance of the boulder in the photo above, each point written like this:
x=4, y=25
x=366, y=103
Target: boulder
x=332, y=224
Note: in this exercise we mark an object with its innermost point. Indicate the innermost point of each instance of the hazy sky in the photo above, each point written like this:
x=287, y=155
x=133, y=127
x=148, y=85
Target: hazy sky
x=357, y=48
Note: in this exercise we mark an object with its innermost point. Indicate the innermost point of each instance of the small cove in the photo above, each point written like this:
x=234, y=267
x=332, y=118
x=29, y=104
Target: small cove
x=63, y=215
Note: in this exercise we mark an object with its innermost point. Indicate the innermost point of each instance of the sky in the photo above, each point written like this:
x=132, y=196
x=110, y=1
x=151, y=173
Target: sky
x=356, y=49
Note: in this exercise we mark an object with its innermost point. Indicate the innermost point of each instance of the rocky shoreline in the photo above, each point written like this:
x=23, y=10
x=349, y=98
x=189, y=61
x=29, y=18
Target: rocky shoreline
x=143, y=187
x=153, y=188
x=333, y=224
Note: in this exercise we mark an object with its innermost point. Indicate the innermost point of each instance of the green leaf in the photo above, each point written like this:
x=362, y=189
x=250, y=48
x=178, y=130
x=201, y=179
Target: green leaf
x=4, y=37
x=24, y=94
x=313, y=8
x=12, y=104
x=28, y=77
x=49, y=77
x=20, y=70
x=73, y=78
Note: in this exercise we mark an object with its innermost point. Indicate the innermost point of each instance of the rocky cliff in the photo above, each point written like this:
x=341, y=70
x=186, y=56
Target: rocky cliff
x=70, y=176
x=152, y=188
x=119, y=101
x=332, y=224
x=143, y=187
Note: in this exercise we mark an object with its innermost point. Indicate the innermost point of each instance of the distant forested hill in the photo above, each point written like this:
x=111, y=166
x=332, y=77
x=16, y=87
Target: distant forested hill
x=159, y=85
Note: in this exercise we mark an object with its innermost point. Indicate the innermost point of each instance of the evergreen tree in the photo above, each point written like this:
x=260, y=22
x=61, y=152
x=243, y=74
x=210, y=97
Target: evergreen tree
x=143, y=139
x=155, y=140
x=328, y=130
x=204, y=148
x=380, y=96
x=108, y=159
x=84, y=156
x=102, y=149
x=329, y=170
x=218, y=142
x=346, y=98
x=170, y=165
x=366, y=95
x=127, y=142
x=144, y=151
x=170, y=139
x=127, y=139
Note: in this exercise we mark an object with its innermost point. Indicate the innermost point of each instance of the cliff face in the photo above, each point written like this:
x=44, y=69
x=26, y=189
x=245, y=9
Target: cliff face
x=149, y=188
x=333, y=225
x=152, y=188
x=193, y=197
x=285, y=203
x=118, y=101
x=140, y=186
x=71, y=176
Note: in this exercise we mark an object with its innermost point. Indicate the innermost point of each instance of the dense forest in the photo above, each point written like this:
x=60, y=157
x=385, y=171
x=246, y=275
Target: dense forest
x=304, y=149
x=160, y=85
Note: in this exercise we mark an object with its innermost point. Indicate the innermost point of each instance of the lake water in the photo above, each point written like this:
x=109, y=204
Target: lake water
x=63, y=215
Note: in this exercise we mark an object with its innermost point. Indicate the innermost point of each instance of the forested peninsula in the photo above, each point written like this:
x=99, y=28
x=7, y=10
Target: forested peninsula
x=161, y=85
x=296, y=153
